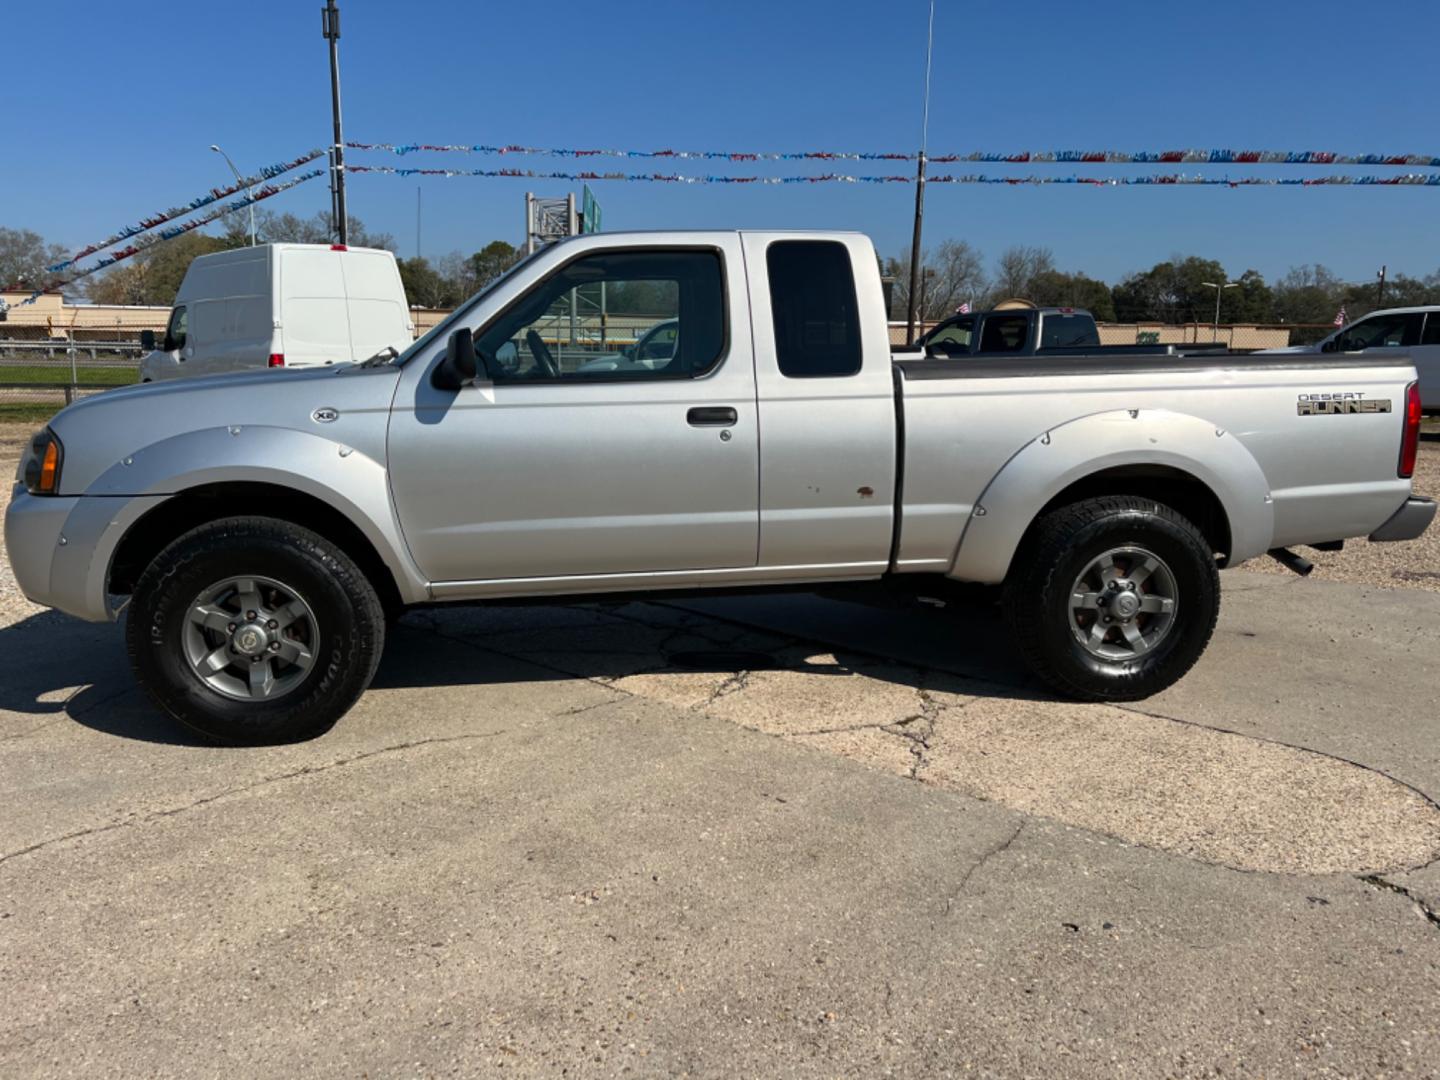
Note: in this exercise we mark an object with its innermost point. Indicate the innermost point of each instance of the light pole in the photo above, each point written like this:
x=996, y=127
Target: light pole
x=1219, y=291
x=240, y=181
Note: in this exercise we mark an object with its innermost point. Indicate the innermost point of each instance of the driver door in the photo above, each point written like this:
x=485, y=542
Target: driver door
x=564, y=465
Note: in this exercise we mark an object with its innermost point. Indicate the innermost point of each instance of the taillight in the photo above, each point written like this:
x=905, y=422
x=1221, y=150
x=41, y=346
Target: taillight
x=276, y=360
x=1410, y=440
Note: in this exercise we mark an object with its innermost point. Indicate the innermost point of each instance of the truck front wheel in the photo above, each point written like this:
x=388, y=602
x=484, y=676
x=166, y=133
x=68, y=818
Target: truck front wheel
x=252, y=630
x=1113, y=598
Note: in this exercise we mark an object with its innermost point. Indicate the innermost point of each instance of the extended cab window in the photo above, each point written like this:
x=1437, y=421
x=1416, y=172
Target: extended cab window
x=812, y=296
x=1379, y=331
x=588, y=320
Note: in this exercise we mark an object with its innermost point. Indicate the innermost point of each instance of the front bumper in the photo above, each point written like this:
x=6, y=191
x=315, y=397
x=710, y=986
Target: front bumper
x=1412, y=519
x=60, y=547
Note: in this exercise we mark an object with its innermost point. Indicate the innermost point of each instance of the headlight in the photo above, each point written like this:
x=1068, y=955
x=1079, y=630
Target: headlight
x=42, y=464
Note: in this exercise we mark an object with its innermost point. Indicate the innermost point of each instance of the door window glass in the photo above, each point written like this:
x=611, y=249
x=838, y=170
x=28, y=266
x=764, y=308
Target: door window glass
x=1004, y=333
x=176, y=330
x=812, y=295
x=1432, y=329
x=1380, y=331
x=952, y=338
x=574, y=325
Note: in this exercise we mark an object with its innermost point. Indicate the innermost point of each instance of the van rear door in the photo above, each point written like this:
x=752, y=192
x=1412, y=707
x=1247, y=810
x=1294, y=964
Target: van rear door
x=375, y=301
x=314, y=318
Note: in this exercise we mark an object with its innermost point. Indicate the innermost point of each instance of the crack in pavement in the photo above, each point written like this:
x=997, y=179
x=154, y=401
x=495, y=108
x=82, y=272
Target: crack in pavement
x=997, y=850
x=976, y=681
x=1375, y=881
x=304, y=770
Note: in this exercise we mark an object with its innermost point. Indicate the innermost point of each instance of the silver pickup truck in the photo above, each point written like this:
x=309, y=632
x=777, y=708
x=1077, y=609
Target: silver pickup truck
x=263, y=527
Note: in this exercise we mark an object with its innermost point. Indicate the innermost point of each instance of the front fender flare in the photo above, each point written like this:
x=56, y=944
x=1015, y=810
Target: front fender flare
x=350, y=482
x=1051, y=462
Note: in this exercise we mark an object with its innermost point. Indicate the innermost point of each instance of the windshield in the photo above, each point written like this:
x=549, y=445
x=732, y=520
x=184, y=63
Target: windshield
x=445, y=325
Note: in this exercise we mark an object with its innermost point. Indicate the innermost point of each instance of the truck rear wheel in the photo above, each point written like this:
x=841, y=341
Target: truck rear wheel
x=251, y=630
x=1113, y=599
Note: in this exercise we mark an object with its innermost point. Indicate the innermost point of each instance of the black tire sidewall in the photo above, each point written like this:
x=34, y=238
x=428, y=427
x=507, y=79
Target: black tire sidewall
x=1197, y=606
x=301, y=561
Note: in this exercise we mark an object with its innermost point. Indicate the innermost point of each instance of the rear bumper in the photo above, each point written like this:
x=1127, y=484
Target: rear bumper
x=1412, y=519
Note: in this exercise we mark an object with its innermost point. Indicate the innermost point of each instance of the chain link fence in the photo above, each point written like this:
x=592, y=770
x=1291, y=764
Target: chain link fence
x=43, y=370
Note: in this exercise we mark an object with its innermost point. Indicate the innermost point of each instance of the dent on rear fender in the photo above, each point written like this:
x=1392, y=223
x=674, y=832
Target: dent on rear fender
x=1080, y=448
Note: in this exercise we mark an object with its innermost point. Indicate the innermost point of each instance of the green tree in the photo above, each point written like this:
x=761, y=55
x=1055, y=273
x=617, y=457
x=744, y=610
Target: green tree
x=1054, y=288
x=491, y=261
x=425, y=287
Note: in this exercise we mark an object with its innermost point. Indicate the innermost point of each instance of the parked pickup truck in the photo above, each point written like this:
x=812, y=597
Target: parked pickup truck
x=262, y=530
x=1047, y=331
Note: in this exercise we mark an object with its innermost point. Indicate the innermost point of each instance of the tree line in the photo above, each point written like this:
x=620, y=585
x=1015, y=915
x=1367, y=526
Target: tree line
x=1173, y=291
x=955, y=273
x=154, y=275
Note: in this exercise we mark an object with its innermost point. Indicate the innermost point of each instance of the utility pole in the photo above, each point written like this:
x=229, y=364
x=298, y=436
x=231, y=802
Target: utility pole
x=330, y=17
x=1380, y=292
x=920, y=190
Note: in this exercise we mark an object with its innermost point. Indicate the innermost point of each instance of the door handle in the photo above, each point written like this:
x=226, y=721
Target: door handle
x=712, y=416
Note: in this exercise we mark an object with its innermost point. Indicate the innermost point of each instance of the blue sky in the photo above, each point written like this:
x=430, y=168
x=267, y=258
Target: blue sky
x=113, y=116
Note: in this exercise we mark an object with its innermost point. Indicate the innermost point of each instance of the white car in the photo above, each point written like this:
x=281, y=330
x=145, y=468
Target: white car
x=1413, y=332
x=281, y=305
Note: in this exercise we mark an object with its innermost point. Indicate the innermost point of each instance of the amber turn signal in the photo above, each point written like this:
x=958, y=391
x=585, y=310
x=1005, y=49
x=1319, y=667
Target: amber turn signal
x=42, y=466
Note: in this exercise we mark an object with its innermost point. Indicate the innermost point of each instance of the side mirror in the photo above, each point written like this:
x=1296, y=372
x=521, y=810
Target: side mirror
x=460, y=364
x=147, y=340
x=1333, y=345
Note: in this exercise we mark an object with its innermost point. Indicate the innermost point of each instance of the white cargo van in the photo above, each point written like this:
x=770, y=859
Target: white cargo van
x=281, y=305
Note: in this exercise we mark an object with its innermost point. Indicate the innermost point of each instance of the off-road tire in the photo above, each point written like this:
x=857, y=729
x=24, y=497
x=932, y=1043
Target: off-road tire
x=1037, y=599
x=350, y=618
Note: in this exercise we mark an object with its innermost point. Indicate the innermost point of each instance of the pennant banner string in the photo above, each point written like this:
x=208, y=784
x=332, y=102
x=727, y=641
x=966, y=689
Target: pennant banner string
x=1040, y=157
x=1179, y=179
x=144, y=242
x=269, y=172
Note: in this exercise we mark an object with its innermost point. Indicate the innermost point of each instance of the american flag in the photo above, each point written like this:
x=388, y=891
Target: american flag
x=1340, y=317
x=963, y=309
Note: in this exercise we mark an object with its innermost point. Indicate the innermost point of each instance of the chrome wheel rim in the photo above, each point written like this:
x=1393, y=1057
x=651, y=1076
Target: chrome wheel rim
x=1123, y=604
x=250, y=638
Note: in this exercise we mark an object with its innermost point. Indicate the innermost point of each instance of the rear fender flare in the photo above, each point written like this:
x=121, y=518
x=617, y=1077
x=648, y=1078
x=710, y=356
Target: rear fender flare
x=1054, y=460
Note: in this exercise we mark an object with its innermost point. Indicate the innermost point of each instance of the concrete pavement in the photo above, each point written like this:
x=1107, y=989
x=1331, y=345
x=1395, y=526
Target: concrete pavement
x=541, y=846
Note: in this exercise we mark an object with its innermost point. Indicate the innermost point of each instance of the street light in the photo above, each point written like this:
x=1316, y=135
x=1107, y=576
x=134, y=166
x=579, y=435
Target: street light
x=240, y=181
x=1219, y=289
